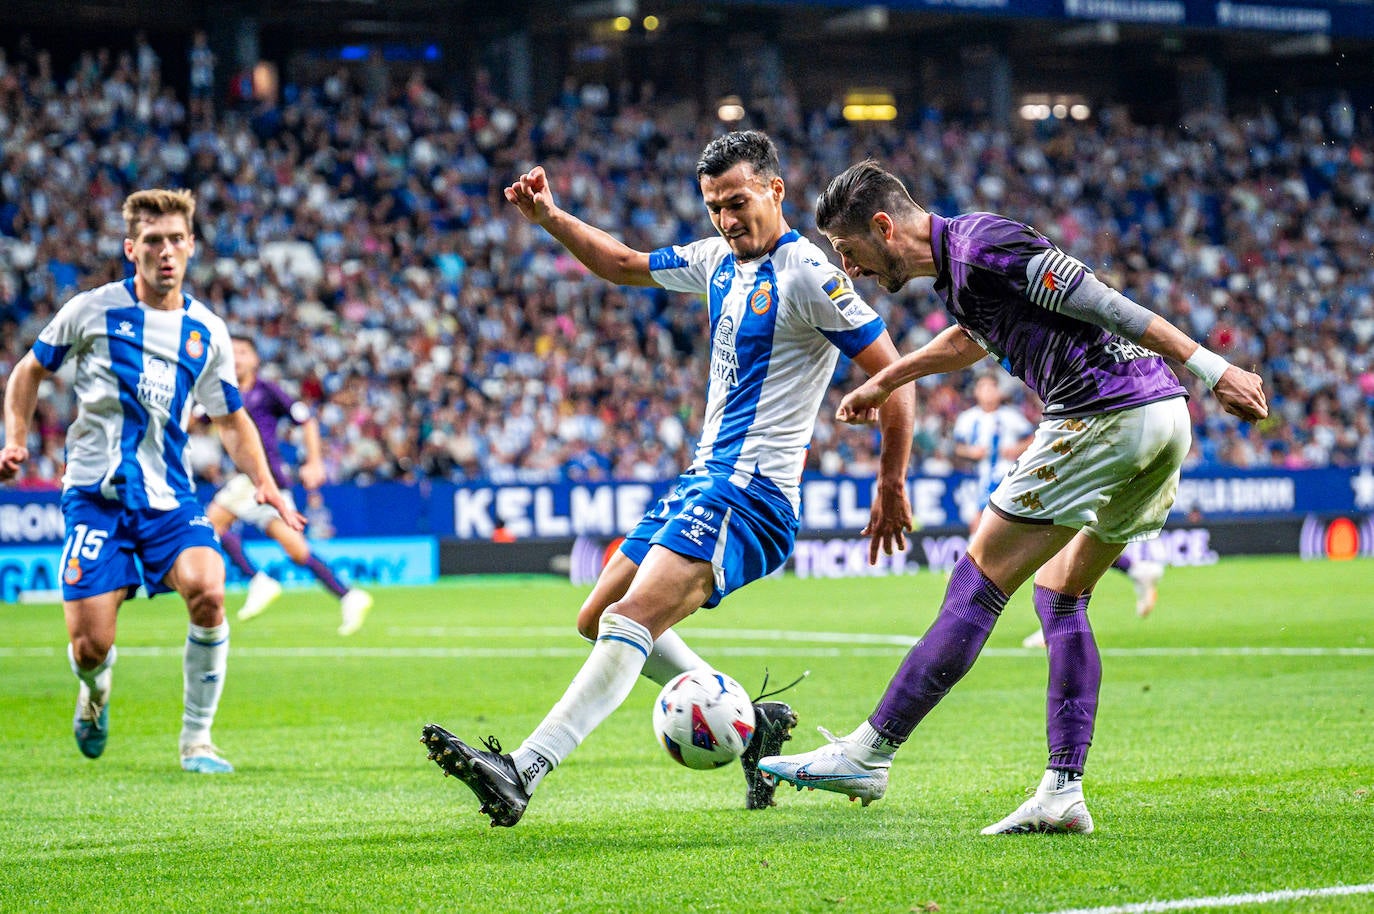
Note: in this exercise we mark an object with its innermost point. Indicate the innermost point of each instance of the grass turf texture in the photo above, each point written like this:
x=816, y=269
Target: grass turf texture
x=1211, y=773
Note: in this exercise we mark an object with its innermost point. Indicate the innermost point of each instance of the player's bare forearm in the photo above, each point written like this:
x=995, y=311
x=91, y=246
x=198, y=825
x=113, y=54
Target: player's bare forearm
x=21, y=399
x=243, y=444
x=951, y=350
x=599, y=250
x=1240, y=392
x=312, y=473
x=890, y=517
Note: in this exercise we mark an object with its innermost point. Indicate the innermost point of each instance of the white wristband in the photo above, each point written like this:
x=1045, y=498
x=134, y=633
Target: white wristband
x=1207, y=365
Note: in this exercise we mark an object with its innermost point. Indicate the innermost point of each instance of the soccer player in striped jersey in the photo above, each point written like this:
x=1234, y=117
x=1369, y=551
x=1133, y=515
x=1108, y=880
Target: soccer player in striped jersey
x=143, y=350
x=1101, y=471
x=780, y=315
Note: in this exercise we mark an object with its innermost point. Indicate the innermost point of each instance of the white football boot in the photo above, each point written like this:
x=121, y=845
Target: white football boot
x=840, y=766
x=263, y=590
x=355, y=606
x=1145, y=575
x=1056, y=807
x=204, y=758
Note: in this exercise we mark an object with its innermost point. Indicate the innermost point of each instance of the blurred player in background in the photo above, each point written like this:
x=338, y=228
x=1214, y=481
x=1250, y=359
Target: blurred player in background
x=990, y=435
x=268, y=405
x=1102, y=470
x=780, y=315
x=142, y=349
x=993, y=435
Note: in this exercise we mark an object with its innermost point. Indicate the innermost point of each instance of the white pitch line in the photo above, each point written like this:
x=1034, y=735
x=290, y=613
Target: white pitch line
x=579, y=649
x=1223, y=901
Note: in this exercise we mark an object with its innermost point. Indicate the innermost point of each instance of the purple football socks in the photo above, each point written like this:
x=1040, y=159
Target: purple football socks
x=1075, y=676
x=943, y=655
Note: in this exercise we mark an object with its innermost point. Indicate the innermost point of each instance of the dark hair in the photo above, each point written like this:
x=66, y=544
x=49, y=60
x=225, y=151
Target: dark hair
x=857, y=193
x=725, y=152
x=252, y=343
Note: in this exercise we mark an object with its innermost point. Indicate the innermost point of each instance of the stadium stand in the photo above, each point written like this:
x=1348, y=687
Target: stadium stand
x=362, y=241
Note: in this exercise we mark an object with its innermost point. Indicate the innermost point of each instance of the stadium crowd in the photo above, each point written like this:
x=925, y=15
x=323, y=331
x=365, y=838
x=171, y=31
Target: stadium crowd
x=356, y=232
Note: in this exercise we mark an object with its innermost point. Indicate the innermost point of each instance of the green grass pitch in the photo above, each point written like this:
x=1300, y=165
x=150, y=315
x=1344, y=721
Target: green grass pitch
x=1234, y=754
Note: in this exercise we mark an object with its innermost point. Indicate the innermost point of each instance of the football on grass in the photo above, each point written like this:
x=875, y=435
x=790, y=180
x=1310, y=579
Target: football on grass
x=704, y=719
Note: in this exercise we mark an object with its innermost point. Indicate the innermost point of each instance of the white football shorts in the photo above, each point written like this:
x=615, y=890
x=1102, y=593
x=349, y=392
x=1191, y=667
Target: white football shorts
x=1113, y=475
x=238, y=496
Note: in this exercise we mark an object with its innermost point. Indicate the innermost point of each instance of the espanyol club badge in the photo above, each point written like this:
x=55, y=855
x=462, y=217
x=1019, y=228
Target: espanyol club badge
x=72, y=573
x=195, y=348
x=762, y=299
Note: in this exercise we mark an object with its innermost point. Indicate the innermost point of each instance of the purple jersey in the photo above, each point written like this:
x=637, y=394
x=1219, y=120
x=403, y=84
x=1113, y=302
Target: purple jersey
x=1003, y=282
x=267, y=405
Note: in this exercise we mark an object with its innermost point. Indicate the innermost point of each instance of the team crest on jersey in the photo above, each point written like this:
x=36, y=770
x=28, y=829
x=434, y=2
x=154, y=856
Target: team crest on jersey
x=72, y=573
x=762, y=298
x=195, y=346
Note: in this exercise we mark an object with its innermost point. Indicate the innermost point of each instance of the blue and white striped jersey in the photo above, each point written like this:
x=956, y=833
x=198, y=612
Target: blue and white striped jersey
x=995, y=431
x=778, y=324
x=137, y=369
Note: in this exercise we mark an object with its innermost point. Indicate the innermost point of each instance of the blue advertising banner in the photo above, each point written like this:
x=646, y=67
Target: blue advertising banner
x=392, y=560
x=829, y=504
x=32, y=570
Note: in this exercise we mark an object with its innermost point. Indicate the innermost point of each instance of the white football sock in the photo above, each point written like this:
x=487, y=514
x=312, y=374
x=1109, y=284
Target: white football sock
x=203, y=666
x=598, y=689
x=877, y=746
x=99, y=679
x=670, y=657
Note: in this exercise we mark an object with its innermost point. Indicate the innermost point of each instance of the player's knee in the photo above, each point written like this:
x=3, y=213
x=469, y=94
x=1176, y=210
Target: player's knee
x=297, y=552
x=88, y=651
x=589, y=620
x=205, y=601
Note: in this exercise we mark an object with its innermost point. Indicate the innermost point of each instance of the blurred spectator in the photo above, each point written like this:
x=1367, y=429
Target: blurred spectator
x=357, y=232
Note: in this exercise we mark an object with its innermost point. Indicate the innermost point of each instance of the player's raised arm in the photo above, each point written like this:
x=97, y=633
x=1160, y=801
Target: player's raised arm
x=599, y=251
x=1241, y=392
x=244, y=446
x=21, y=399
x=951, y=350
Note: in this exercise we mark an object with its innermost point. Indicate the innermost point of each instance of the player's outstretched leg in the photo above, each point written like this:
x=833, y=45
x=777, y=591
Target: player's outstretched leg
x=773, y=723
x=490, y=775
x=91, y=723
x=1057, y=807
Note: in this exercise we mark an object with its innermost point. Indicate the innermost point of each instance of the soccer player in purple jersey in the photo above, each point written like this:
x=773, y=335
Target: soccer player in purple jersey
x=267, y=404
x=1102, y=469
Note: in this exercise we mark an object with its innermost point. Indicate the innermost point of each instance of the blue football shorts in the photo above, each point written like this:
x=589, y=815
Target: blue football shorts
x=110, y=547
x=745, y=533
